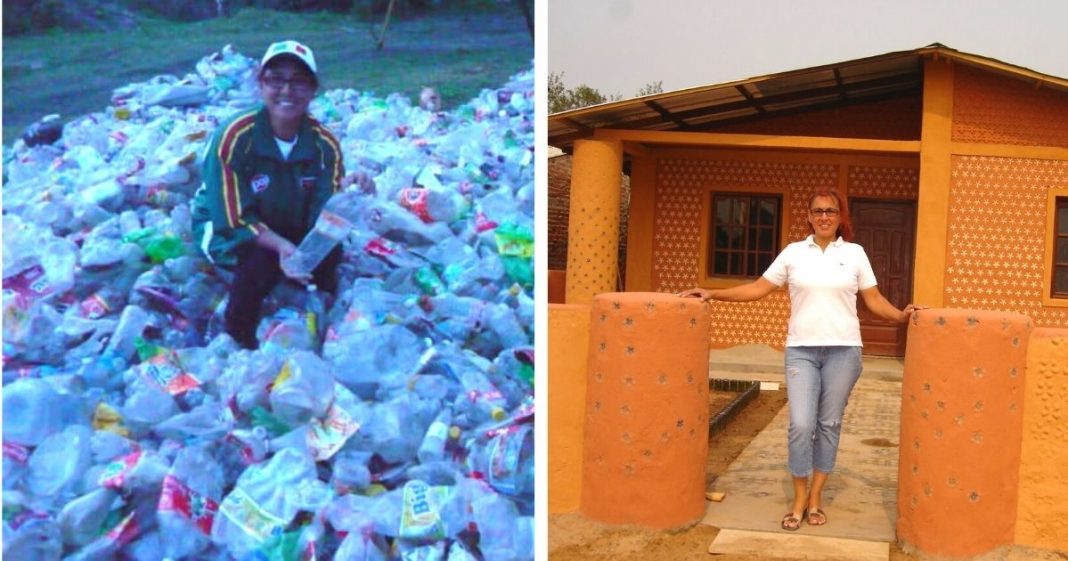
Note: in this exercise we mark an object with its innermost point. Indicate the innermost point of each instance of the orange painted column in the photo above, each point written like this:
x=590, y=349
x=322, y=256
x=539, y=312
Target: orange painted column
x=936, y=162
x=646, y=439
x=593, y=223
x=641, y=225
x=569, y=328
x=961, y=424
x=1043, y=487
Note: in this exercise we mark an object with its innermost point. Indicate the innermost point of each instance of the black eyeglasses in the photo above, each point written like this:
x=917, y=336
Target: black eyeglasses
x=299, y=84
x=823, y=211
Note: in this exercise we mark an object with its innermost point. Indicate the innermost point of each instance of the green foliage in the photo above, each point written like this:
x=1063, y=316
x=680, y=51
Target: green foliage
x=74, y=73
x=651, y=88
x=561, y=98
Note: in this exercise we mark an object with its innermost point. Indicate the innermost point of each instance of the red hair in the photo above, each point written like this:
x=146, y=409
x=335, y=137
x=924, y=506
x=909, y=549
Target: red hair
x=845, y=223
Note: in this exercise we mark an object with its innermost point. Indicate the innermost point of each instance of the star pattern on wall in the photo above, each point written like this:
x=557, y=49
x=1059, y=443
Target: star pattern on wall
x=996, y=251
x=1000, y=110
x=681, y=184
x=884, y=182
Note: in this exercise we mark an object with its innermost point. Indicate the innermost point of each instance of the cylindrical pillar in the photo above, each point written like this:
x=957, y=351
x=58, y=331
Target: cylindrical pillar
x=646, y=436
x=593, y=222
x=961, y=429
x=569, y=330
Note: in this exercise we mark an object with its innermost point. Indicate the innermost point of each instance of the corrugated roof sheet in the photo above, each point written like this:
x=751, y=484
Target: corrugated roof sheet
x=704, y=108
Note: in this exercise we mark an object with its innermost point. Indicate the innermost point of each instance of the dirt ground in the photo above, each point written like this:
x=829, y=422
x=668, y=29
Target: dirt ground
x=573, y=537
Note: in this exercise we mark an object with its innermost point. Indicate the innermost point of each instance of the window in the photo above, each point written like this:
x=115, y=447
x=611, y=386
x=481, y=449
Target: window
x=1060, y=249
x=743, y=234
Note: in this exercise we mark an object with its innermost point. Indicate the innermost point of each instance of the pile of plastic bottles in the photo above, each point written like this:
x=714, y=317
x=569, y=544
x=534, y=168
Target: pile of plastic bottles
x=394, y=421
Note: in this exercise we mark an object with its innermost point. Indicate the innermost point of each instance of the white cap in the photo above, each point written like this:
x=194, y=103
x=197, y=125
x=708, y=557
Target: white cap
x=290, y=48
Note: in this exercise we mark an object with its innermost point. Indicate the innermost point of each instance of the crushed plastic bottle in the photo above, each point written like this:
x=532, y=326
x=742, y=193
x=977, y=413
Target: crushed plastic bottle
x=333, y=225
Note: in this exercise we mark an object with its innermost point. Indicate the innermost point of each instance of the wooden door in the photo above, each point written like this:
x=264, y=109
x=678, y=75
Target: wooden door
x=887, y=231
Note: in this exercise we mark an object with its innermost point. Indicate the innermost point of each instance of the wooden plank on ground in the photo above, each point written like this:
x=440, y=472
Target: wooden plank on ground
x=794, y=546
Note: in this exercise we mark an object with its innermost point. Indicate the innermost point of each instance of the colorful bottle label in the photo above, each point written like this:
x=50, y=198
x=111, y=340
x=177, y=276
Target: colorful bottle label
x=177, y=497
x=238, y=507
x=415, y=200
x=94, y=307
x=326, y=437
x=163, y=372
x=420, y=518
x=107, y=418
x=332, y=225
x=125, y=531
x=115, y=472
x=31, y=283
x=16, y=452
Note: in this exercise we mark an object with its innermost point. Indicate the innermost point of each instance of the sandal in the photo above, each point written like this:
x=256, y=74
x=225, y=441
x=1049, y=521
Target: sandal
x=817, y=517
x=791, y=522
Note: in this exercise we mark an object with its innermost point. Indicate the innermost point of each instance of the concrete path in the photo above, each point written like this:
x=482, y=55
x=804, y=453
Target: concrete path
x=861, y=495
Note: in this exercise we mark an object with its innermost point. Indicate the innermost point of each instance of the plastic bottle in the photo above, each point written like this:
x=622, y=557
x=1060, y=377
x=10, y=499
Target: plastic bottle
x=433, y=446
x=360, y=546
x=479, y=401
x=303, y=389
x=502, y=533
x=35, y=410
x=131, y=324
x=107, y=300
x=189, y=503
x=57, y=465
x=81, y=519
x=333, y=225
x=351, y=471
x=262, y=502
x=506, y=460
x=315, y=312
x=32, y=537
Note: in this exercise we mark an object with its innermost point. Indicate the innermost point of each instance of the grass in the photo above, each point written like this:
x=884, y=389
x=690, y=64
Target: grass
x=458, y=52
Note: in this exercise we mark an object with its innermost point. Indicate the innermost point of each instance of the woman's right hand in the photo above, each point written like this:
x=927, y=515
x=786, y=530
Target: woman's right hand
x=285, y=248
x=704, y=294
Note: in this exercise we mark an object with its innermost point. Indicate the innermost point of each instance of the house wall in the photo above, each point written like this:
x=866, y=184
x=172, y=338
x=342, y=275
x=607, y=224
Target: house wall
x=997, y=224
x=684, y=177
x=996, y=254
x=557, y=211
x=993, y=109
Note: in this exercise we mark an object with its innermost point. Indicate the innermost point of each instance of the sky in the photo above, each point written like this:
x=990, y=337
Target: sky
x=619, y=46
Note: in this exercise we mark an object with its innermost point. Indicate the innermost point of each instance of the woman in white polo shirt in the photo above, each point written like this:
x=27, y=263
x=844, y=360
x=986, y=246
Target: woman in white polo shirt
x=824, y=273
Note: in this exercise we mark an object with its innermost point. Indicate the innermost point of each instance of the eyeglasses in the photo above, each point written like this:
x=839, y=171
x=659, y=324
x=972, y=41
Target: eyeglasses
x=298, y=84
x=823, y=212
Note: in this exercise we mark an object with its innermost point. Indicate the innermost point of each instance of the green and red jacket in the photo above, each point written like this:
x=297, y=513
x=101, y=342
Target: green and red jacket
x=248, y=186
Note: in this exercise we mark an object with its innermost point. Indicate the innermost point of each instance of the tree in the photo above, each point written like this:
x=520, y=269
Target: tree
x=562, y=99
x=651, y=88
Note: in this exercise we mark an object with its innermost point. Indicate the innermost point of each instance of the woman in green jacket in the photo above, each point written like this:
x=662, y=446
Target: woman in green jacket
x=267, y=174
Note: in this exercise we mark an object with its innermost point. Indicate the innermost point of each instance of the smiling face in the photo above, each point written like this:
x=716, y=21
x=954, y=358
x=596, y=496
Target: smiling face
x=287, y=88
x=824, y=217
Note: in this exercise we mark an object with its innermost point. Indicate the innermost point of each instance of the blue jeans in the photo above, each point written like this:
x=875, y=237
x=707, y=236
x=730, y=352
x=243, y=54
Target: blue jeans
x=818, y=382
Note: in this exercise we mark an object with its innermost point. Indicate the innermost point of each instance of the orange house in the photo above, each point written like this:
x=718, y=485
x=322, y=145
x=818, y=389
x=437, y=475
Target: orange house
x=955, y=166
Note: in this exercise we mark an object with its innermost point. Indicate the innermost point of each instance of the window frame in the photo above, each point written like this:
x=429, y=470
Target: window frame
x=1055, y=197
x=705, y=278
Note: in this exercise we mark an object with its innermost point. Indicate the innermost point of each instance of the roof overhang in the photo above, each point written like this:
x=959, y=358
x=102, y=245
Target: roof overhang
x=706, y=108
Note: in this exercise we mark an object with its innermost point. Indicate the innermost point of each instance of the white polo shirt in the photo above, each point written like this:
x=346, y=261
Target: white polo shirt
x=823, y=291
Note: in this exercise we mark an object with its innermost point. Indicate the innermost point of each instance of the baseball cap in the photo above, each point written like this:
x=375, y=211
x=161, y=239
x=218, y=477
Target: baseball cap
x=294, y=48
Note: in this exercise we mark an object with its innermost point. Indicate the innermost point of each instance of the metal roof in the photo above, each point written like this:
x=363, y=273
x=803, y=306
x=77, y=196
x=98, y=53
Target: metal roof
x=706, y=108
